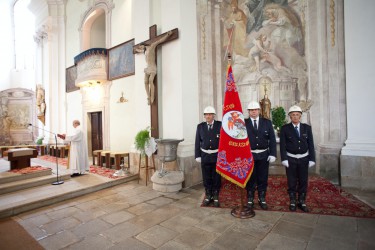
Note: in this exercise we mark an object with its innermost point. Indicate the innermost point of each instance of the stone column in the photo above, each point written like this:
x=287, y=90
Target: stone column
x=326, y=85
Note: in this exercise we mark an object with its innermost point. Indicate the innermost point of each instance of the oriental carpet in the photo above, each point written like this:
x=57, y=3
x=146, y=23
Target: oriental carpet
x=322, y=198
x=102, y=171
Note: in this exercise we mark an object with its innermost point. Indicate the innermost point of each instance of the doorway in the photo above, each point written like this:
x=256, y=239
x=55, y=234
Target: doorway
x=96, y=131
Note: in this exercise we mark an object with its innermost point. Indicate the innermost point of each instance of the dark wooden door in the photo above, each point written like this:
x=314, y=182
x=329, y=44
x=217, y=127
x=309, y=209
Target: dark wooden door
x=96, y=131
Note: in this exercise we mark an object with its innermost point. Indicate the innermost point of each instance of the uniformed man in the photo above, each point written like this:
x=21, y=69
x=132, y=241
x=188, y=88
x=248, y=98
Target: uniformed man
x=206, y=147
x=297, y=155
x=263, y=147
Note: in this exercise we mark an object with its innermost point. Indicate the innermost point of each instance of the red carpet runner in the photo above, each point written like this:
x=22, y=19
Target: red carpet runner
x=106, y=172
x=322, y=198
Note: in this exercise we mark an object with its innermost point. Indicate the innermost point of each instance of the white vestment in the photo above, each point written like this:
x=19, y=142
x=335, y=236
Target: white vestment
x=79, y=160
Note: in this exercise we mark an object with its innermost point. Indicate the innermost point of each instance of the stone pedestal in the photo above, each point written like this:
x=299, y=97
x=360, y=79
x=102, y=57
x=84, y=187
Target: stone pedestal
x=171, y=182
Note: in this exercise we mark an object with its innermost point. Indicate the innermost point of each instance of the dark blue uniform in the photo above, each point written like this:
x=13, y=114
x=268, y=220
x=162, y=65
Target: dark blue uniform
x=297, y=172
x=261, y=138
x=208, y=140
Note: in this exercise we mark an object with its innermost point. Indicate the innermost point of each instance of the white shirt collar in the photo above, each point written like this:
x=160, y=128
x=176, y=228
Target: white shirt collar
x=252, y=119
x=211, y=123
x=298, y=125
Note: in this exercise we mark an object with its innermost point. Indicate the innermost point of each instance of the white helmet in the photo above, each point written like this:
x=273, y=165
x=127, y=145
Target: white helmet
x=209, y=110
x=253, y=105
x=295, y=108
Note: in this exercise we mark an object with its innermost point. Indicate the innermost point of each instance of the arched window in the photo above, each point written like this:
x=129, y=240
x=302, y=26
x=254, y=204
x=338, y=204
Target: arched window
x=24, y=27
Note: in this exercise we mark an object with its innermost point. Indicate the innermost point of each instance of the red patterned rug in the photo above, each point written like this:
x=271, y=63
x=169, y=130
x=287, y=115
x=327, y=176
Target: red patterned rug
x=322, y=198
x=109, y=173
x=29, y=170
x=60, y=161
x=93, y=169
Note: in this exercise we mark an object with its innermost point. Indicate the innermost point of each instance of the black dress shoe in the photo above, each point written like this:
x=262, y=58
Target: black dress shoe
x=292, y=207
x=75, y=175
x=303, y=207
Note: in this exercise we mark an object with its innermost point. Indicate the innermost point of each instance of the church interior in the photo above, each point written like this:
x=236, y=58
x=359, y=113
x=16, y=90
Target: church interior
x=127, y=67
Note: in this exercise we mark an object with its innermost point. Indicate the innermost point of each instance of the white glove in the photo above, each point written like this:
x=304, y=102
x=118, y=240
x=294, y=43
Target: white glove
x=311, y=164
x=271, y=158
x=198, y=159
x=285, y=163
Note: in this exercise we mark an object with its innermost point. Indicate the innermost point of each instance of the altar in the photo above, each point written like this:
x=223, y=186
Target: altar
x=20, y=157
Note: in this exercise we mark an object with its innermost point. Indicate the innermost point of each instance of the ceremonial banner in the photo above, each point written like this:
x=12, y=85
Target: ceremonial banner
x=234, y=159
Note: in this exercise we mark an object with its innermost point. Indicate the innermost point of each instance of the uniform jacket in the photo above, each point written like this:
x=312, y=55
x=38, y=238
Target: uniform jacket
x=262, y=138
x=291, y=143
x=207, y=140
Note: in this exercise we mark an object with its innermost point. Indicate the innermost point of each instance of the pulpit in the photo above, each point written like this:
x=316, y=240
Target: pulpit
x=20, y=157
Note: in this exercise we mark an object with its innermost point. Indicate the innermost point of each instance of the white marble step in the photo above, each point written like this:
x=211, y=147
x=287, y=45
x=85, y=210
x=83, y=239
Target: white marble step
x=29, y=181
x=28, y=199
x=6, y=177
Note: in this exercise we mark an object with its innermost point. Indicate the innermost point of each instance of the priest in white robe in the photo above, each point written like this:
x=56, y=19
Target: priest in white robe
x=79, y=161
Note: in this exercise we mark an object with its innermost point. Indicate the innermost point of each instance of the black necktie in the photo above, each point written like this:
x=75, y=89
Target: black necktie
x=209, y=126
x=296, y=128
x=255, y=124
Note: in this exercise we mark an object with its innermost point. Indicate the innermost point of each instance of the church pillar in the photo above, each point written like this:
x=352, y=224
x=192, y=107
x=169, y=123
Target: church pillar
x=358, y=155
x=325, y=45
x=50, y=65
x=179, y=85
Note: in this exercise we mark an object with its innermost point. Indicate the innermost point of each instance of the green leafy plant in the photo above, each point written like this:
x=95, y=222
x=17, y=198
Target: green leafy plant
x=39, y=141
x=141, y=139
x=278, y=117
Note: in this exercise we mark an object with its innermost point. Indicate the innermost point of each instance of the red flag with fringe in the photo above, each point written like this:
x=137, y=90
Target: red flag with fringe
x=234, y=159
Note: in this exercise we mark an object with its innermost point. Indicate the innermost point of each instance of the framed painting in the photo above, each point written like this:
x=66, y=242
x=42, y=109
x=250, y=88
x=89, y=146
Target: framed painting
x=70, y=79
x=121, y=60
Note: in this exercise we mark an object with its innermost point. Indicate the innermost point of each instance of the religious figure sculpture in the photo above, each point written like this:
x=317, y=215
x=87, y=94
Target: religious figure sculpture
x=151, y=69
x=40, y=102
x=7, y=121
x=265, y=105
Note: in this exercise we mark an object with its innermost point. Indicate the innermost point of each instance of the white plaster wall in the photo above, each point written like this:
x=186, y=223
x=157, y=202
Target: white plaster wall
x=180, y=103
x=122, y=129
x=73, y=110
x=360, y=75
x=140, y=22
x=74, y=11
x=97, y=38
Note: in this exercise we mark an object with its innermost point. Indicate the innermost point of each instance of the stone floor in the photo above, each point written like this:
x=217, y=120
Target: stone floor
x=134, y=216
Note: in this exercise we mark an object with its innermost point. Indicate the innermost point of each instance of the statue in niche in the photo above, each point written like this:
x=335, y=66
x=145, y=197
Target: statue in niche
x=151, y=69
x=40, y=103
x=265, y=105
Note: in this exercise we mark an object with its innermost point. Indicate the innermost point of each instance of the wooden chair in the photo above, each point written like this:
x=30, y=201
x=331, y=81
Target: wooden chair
x=103, y=154
x=95, y=154
x=117, y=156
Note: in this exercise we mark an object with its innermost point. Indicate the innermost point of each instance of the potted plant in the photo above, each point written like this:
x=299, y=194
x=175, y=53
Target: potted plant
x=39, y=140
x=278, y=118
x=142, y=139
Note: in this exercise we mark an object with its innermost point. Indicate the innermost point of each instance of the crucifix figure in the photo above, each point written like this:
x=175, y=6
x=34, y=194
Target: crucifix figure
x=149, y=48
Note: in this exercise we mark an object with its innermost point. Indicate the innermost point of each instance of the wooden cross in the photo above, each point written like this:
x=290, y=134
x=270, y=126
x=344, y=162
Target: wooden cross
x=151, y=70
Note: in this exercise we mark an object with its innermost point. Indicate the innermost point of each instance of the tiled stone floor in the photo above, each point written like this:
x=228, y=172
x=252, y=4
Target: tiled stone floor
x=134, y=216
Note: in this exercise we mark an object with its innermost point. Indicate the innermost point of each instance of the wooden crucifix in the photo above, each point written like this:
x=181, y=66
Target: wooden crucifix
x=149, y=48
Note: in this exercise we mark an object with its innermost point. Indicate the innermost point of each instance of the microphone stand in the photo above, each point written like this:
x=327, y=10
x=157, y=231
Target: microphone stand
x=57, y=182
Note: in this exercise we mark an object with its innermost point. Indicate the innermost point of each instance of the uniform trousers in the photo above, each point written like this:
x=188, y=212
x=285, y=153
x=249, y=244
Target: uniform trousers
x=297, y=174
x=259, y=177
x=211, y=179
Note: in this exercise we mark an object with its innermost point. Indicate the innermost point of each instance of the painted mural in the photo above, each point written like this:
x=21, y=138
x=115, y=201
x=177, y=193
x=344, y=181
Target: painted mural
x=265, y=39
